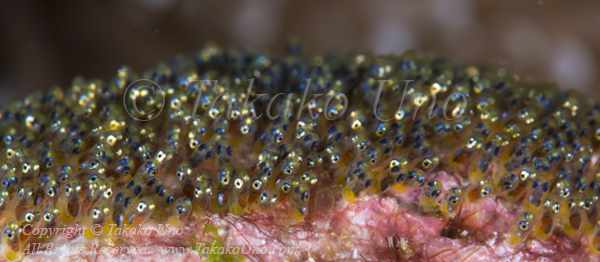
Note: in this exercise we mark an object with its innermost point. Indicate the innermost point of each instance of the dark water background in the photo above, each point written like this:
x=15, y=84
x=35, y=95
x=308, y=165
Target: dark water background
x=49, y=42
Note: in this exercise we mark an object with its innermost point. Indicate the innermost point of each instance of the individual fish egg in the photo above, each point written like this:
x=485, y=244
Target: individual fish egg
x=521, y=228
x=264, y=171
x=174, y=135
x=287, y=167
x=163, y=198
x=332, y=155
x=144, y=153
x=148, y=170
x=195, y=136
x=269, y=157
x=300, y=198
x=248, y=126
x=240, y=192
x=385, y=146
x=373, y=155
x=91, y=191
x=356, y=167
x=203, y=193
x=313, y=160
x=393, y=174
x=307, y=123
x=357, y=143
x=522, y=186
x=179, y=211
x=428, y=163
x=140, y=211
x=478, y=191
x=397, y=135
x=548, y=215
x=357, y=186
x=52, y=187
x=98, y=214
x=590, y=207
x=467, y=151
x=257, y=186
x=441, y=128
x=27, y=221
x=414, y=178
x=521, y=157
x=122, y=168
x=220, y=126
x=4, y=200
x=204, y=152
x=379, y=129
x=23, y=199
x=309, y=178
x=10, y=179
x=50, y=216
x=268, y=199
x=223, y=150
x=537, y=193
x=491, y=151
x=285, y=187
x=166, y=154
x=45, y=152
x=507, y=183
x=334, y=134
x=309, y=142
x=121, y=203
x=186, y=178
x=136, y=185
x=594, y=240
x=336, y=108
x=274, y=136
x=10, y=237
x=430, y=196
x=72, y=146
x=69, y=201
x=451, y=201
x=574, y=218
x=29, y=168
x=223, y=187
x=357, y=120
x=461, y=127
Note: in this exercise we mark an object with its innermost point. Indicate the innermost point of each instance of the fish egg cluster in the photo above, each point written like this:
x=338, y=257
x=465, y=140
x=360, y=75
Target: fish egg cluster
x=266, y=133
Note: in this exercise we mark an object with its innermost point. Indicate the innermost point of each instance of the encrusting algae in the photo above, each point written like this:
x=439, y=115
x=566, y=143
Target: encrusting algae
x=182, y=146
